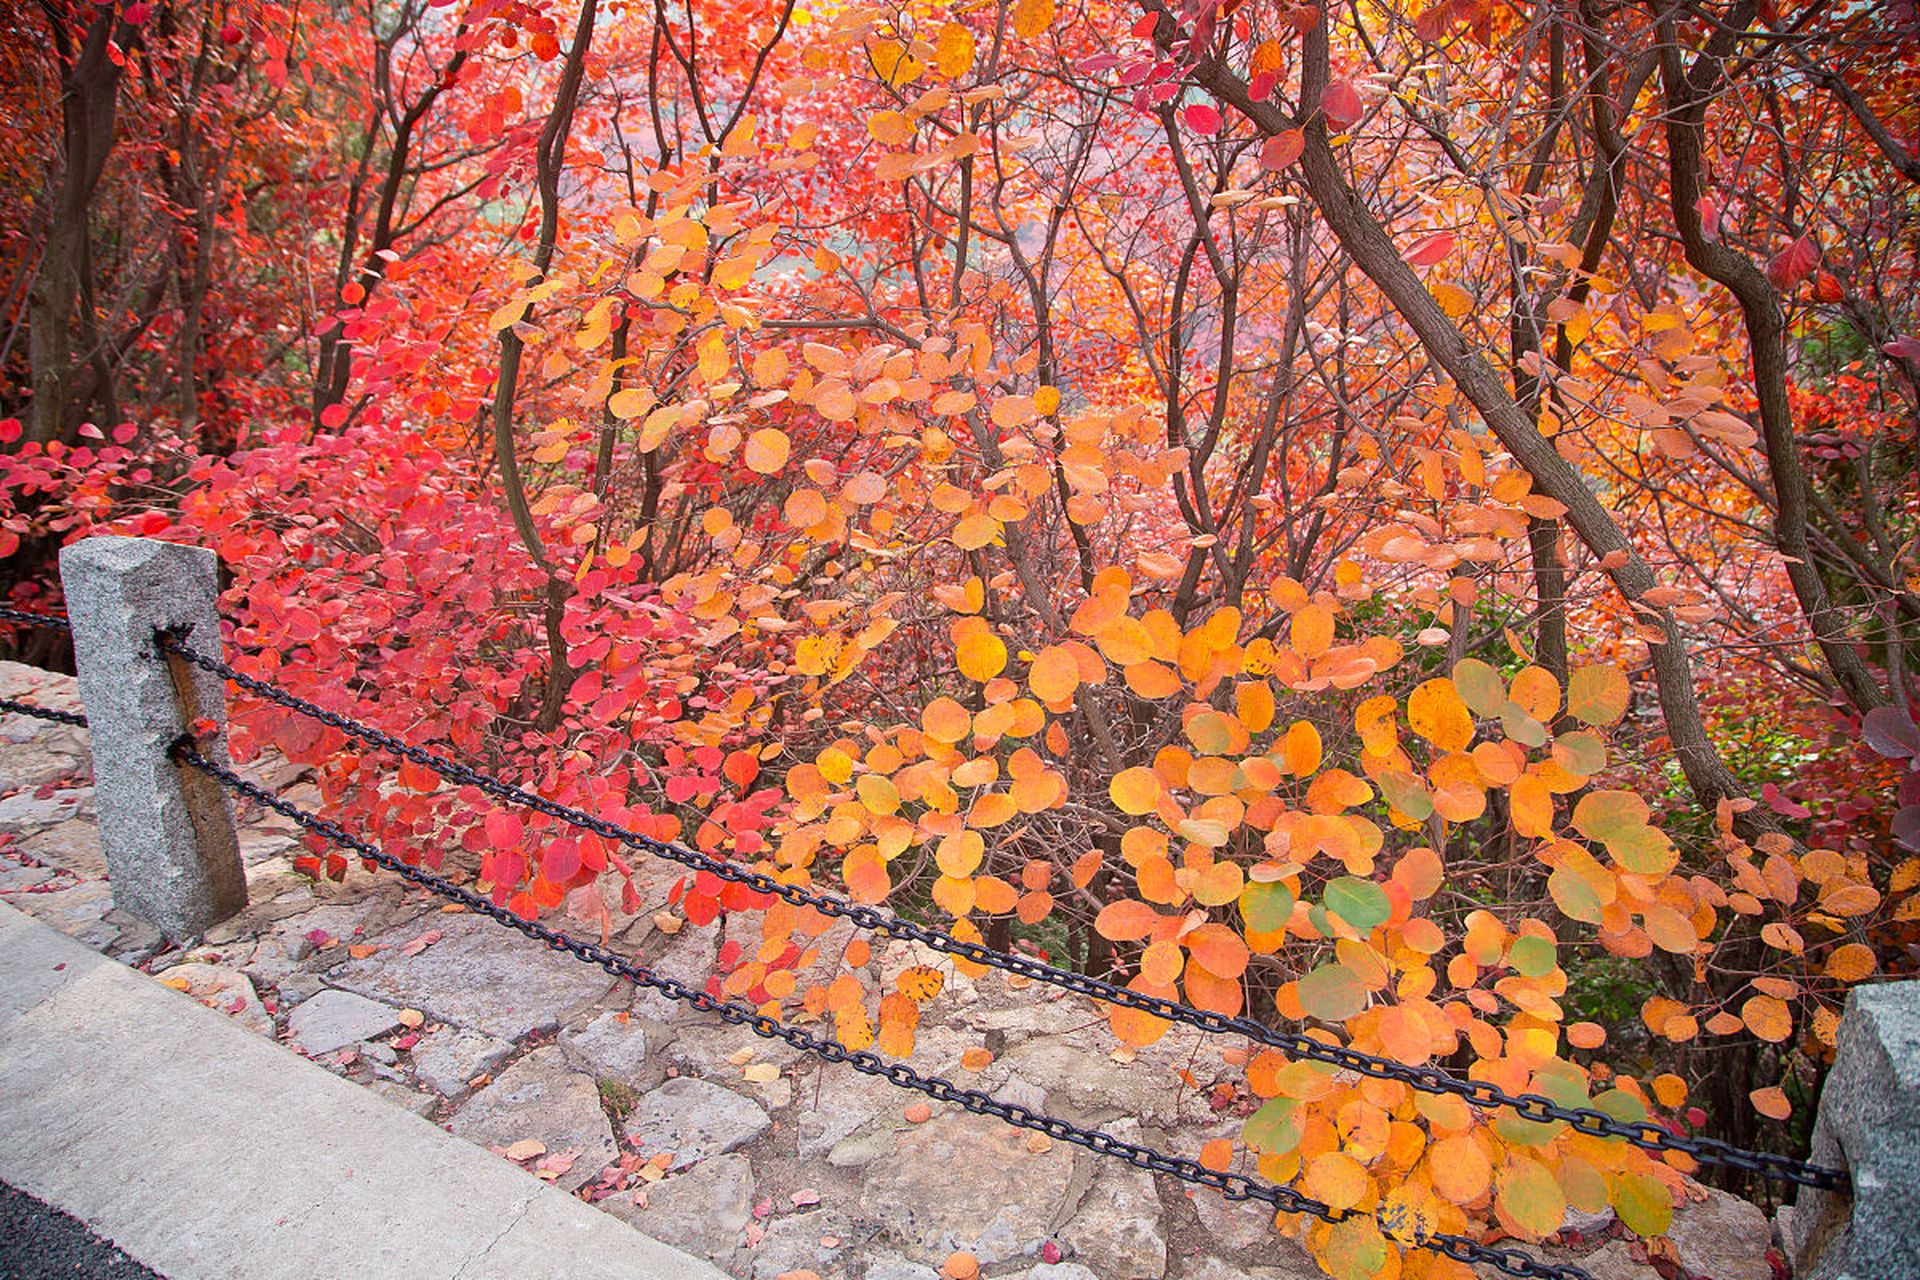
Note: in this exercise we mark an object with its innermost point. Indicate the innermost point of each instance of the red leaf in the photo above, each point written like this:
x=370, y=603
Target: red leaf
x=1431, y=249
x=561, y=863
x=1341, y=104
x=1282, y=149
x=1794, y=263
x=504, y=830
x=1201, y=118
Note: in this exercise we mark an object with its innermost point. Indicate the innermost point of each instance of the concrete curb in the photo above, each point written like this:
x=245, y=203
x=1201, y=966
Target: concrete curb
x=204, y=1150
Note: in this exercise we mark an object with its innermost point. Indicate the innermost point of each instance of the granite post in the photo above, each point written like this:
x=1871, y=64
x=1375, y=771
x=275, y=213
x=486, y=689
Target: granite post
x=1868, y=1124
x=166, y=829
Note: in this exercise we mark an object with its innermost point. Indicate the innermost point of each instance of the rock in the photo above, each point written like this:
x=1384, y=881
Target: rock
x=794, y=1242
x=966, y=1182
x=694, y=1119
x=891, y=1266
x=539, y=1097
x=686, y=957
x=16, y=877
x=1723, y=1237
x=76, y=912
x=476, y=975
x=335, y=1019
x=705, y=1048
x=227, y=990
x=612, y=1045
x=702, y=1210
x=451, y=1056
x=407, y=1098
x=1235, y=1227
x=71, y=846
x=1086, y=1085
x=1117, y=1226
x=863, y=1149
x=1869, y=1124
x=837, y=1102
x=29, y=810
x=1063, y=1271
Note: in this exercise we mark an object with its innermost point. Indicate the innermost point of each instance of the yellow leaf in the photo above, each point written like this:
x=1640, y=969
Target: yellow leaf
x=1336, y=1179
x=1031, y=17
x=1453, y=300
x=768, y=450
x=1436, y=713
x=1135, y=791
x=978, y=652
x=953, y=51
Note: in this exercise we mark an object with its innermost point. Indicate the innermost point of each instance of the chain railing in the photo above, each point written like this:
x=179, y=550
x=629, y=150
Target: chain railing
x=1538, y=1108
x=1234, y=1186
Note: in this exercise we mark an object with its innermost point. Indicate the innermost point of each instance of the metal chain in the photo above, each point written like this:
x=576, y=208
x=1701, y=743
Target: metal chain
x=43, y=713
x=1233, y=1186
x=1646, y=1135
x=51, y=621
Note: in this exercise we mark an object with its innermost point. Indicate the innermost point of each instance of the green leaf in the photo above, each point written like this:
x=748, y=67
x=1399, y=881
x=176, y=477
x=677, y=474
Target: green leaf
x=1642, y=1202
x=1405, y=793
x=1266, y=907
x=1574, y=896
x=1273, y=1129
x=1533, y=957
x=1480, y=687
x=1361, y=903
x=1333, y=992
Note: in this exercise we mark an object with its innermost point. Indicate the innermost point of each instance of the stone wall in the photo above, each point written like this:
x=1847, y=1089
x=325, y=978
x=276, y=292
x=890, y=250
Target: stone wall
x=763, y=1159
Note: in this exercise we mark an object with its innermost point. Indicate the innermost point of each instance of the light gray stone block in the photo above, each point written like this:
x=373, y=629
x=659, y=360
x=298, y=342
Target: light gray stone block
x=1869, y=1123
x=167, y=830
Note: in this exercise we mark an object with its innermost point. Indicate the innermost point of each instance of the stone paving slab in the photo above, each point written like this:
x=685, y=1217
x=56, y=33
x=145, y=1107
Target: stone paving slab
x=204, y=1150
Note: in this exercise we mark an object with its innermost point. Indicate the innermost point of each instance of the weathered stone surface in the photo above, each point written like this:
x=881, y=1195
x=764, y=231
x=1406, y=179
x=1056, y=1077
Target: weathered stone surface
x=477, y=975
x=837, y=1102
x=451, y=1056
x=1116, y=1229
x=611, y=1045
x=1869, y=1124
x=28, y=810
x=1063, y=1271
x=40, y=751
x=891, y=1266
x=539, y=1097
x=702, y=1210
x=407, y=1097
x=800, y=1242
x=686, y=957
x=16, y=877
x=1084, y=1084
x=965, y=1182
x=73, y=845
x=1722, y=1236
x=168, y=832
x=222, y=988
x=1235, y=1227
x=695, y=1120
x=333, y=1020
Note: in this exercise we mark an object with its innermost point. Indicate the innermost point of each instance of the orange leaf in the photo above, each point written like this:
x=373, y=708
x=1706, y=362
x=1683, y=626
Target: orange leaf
x=1218, y=950
x=1054, y=674
x=1125, y=921
x=1771, y=1103
x=1336, y=1179
x=1436, y=713
x=920, y=983
x=1217, y=1155
x=1768, y=1017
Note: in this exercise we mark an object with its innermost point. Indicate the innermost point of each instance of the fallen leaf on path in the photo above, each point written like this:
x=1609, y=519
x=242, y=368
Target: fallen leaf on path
x=526, y=1149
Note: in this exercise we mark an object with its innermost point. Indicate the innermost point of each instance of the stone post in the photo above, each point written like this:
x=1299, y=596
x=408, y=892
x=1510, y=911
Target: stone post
x=166, y=829
x=1869, y=1124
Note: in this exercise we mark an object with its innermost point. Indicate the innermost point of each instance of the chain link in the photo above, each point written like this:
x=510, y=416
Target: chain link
x=1234, y=1186
x=43, y=713
x=1481, y=1093
x=51, y=621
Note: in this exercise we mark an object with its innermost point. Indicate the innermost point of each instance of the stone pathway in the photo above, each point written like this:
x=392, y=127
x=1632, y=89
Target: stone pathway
x=772, y=1164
